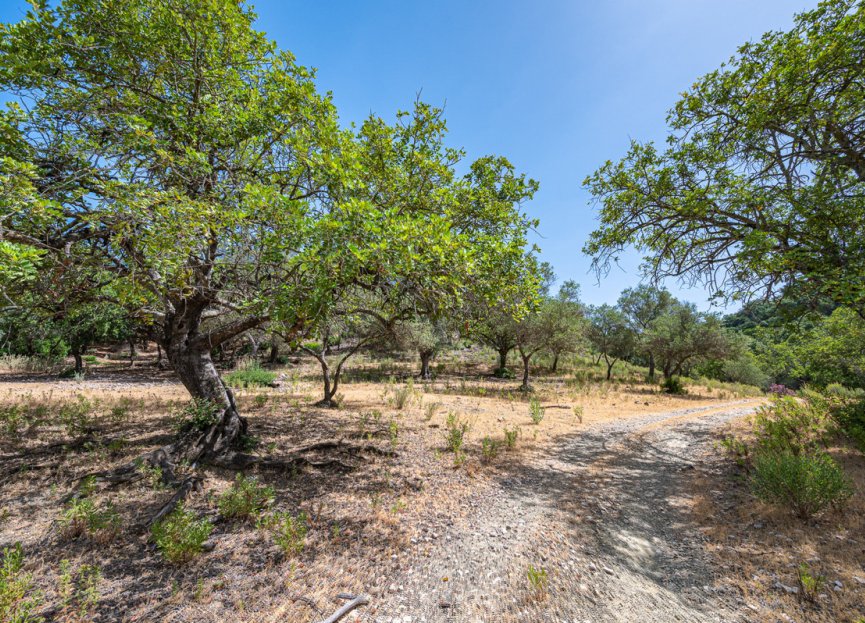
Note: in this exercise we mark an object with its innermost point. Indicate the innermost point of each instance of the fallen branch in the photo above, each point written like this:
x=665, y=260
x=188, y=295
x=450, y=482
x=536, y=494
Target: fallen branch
x=360, y=600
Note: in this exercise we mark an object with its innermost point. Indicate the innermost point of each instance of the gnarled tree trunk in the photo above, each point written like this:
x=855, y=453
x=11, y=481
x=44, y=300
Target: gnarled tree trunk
x=425, y=358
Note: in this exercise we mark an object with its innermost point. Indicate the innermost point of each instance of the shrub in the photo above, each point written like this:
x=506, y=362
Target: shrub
x=12, y=419
x=810, y=584
x=503, y=373
x=511, y=436
x=536, y=411
x=806, y=483
x=180, y=536
x=82, y=517
x=79, y=596
x=793, y=424
x=673, y=385
x=489, y=449
x=245, y=498
x=850, y=417
x=402, y=396
x=781, y=390
x=18, y=601
x=538, y=579
x=76, y=416
x=430, y=409
x=288, y=531
x=578, y=413
x=196, y=416
x=455, y=432
x=250, y=374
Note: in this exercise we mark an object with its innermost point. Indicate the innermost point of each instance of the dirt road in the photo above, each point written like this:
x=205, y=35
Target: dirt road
x=605, y=514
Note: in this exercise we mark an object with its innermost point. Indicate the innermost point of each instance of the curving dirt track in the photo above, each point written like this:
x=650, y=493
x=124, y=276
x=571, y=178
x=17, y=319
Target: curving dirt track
x=605, y=513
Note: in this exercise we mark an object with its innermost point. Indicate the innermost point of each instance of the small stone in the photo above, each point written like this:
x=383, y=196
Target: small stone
x=208, y=546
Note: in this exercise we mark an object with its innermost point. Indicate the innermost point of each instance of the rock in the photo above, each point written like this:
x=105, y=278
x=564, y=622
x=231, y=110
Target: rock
x=208, y=546
x=792, y=590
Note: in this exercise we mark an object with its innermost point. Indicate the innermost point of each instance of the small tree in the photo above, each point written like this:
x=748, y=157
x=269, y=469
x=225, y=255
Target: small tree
x=424, y=336
x=642, y=306
x=611, y=335
x=564, y=318
x=684, y=337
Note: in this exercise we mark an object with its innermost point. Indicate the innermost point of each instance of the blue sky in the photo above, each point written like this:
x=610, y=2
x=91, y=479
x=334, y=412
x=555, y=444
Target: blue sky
x=557, y=86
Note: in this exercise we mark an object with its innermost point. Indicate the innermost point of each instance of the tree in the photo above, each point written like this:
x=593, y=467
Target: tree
x=611, y=335
x=173, y=147
x=685, y=337
x=564, y=319
x=760, y=188
x=642, y=306
x=426, y=337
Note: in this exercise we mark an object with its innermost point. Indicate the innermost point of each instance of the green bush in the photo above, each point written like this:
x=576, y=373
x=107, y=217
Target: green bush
x=250, y=374
x=196, y=416
x=288, y=531
x=503, y=373
x=793, y=424
x=806, y=483
x=245, y=499
x=673, y=385
x=511, y=436
x=180, y=536
x=489, y=449
x=455, y=432
x=536, y=411
x=850, y=417
x=82, y=517
x=76, y=416
x=18, y=601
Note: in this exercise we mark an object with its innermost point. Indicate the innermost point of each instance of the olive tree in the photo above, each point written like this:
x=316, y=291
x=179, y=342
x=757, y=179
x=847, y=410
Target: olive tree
x=642, y=306
x=611, y=335
x=684, y=337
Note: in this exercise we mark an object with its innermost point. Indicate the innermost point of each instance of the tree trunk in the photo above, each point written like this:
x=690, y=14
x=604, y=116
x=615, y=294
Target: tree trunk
x=610, y=365
x=329, y=391
x=503, y=358
x=526, y=359
x=199, y=376
x=79, y=362
x=555, y=362
x=274, y=351
x=425, y=357
x=132, y=352
x=651, y=367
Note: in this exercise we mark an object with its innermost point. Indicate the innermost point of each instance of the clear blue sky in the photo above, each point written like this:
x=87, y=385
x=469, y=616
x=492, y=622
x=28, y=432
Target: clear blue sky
x=557, y=86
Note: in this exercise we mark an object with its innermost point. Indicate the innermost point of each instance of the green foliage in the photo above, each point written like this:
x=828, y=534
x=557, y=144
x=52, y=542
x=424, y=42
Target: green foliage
x=538, y=579
x=536, y=411
x=811, y=584
x=288, y=531
x=503, y=373
x=196, y=416
x=578, y=413
x=673, y=385
x=455, y=432
x=76, y=416
x=430, y=410
x=489, y=449
x=511, y=436
x=245, y=499
x=83, y=517
x=806, y=483
x=180, y=536
x=792, y=424
x=403, y=396
x=79, y=593
x=250, y=374
x=750, y=186
x=18, y=600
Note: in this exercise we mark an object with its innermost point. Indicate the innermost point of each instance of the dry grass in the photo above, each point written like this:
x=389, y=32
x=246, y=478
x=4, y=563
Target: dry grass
x=364, y=524
x=762, y=547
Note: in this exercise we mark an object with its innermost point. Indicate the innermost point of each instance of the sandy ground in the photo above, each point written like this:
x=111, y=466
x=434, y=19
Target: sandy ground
x=370, y=527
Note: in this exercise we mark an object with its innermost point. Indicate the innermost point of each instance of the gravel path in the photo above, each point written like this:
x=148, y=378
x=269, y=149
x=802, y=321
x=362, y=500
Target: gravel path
x=604, y=513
